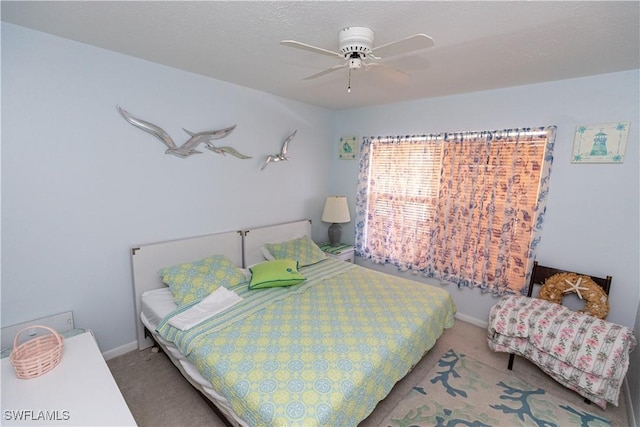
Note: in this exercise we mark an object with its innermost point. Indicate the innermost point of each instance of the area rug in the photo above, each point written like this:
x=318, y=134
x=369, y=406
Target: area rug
x=461, y=391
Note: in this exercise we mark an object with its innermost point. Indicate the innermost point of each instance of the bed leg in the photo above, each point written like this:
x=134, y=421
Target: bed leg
x=511, y=357
x=156, y=347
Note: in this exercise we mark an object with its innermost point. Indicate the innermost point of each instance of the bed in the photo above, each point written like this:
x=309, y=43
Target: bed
x=323, y=351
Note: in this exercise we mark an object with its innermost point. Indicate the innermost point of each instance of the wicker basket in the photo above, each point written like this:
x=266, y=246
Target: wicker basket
x=36, y=356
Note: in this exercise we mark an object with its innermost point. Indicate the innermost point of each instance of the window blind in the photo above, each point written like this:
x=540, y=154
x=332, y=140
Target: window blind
x=458, y=206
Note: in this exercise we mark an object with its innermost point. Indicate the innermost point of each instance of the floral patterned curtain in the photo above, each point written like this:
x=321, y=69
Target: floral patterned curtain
x=466, y=208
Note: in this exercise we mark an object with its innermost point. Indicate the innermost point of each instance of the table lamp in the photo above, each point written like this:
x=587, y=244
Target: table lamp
x=336, y=211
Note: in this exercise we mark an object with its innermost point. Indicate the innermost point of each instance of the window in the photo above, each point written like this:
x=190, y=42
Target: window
x=463, y=207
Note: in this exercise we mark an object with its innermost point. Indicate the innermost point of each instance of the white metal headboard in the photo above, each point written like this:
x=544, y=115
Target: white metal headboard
x=146, y=260
x=244, y=248
x=254, y=239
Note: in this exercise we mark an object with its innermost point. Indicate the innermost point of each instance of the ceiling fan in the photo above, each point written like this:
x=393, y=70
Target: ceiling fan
x=355, y=44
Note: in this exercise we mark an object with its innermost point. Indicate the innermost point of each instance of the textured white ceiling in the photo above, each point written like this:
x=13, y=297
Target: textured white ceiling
x=478, y=45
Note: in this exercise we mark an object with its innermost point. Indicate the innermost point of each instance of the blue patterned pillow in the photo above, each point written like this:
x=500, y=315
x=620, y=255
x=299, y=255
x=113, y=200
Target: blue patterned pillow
x=303, y=250
x=195, y=280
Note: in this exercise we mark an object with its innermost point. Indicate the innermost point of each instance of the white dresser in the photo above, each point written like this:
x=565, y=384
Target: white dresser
x=80, y=391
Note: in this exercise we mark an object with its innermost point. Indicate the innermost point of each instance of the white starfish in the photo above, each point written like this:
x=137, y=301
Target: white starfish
x=575, y=287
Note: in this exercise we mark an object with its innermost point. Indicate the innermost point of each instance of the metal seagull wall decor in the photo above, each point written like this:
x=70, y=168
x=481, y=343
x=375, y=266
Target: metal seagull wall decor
x=207, y=137
x=189, y=147
x=283, y=152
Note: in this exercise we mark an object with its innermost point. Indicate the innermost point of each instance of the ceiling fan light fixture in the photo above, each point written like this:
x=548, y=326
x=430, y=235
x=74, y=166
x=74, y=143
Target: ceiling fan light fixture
x=357, y=40
x=355, y=63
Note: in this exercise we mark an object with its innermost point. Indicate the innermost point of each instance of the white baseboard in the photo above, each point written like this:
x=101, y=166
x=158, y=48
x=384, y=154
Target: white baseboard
x=480, y=323
x=119, y=351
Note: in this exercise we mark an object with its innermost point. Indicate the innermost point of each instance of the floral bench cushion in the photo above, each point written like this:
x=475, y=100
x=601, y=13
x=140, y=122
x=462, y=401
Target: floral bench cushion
x=582, y=352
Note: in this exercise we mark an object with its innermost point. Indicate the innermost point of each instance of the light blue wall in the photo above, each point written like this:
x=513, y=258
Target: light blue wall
x=80, y=186
x=591, y=224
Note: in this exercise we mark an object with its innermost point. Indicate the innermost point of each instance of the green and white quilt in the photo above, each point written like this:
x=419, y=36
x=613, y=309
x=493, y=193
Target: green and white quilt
x=320, y=353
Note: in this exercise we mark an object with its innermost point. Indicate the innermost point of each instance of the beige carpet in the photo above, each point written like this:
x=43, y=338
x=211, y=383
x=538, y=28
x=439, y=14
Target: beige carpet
x=158, y=395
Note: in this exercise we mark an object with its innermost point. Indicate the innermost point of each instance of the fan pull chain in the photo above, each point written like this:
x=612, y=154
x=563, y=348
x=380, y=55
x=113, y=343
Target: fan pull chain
x=349, y=87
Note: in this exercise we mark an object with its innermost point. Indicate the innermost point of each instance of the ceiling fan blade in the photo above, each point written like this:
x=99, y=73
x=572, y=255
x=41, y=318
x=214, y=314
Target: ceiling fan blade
x=410, y=44
x=389, y=72
x=304, y=46
x=327, y=71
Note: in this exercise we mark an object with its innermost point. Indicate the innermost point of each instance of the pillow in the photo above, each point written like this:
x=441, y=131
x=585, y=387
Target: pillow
x=279, y=272
x=246, y=273
x=195, y=280
x=266, y=254
x=303, y=250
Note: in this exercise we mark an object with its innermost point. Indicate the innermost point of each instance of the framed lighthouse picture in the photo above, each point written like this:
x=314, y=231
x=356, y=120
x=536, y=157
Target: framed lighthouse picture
x=600, y=143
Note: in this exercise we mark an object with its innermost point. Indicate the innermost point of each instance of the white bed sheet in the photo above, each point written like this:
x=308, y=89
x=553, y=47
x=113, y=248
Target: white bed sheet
x=155, y=305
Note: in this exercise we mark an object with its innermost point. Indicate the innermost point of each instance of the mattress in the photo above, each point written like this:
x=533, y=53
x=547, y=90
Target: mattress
x=156, y=304
x=324, y=352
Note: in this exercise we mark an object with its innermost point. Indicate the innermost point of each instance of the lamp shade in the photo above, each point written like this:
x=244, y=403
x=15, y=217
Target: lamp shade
x=336, y=210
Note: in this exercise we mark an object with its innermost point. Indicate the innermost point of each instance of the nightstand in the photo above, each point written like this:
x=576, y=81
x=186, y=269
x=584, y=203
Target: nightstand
x=343, y=251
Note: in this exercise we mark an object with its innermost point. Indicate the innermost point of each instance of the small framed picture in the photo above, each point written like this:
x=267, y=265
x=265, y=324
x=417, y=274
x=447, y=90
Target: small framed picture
x=348, y=148
x=600, y=143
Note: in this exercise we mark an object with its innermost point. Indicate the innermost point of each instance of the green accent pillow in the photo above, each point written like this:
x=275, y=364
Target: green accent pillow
x=304, y=250
x=279, y=272
x=193, y=281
